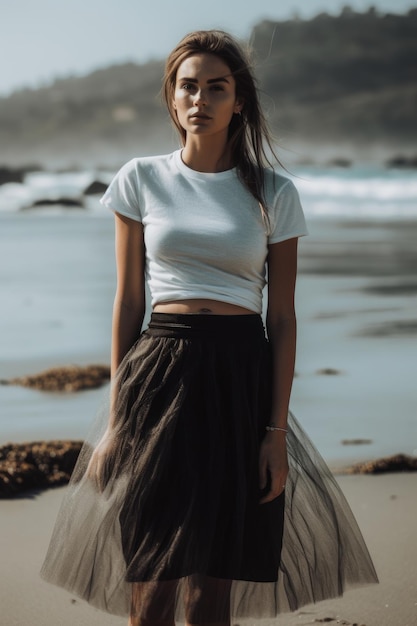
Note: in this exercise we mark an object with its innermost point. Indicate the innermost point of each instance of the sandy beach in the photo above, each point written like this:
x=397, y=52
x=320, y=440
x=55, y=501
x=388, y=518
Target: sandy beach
x=385, y=507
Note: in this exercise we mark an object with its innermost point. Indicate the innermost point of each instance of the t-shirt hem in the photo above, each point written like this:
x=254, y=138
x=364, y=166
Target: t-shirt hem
x=303, y=233
x=137, y=218
x=204, y=296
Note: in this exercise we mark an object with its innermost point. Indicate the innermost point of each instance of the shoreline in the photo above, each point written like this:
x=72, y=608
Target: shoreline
x=31, y=467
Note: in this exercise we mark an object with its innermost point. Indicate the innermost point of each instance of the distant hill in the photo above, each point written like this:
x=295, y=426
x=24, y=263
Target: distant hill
x=341, y=84
x=348, y=77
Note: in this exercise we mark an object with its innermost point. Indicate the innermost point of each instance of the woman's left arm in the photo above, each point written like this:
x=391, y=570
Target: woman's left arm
x=281, y=329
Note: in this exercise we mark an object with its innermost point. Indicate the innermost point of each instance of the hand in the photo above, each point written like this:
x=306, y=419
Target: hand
x=273, y=460
x=97, y=469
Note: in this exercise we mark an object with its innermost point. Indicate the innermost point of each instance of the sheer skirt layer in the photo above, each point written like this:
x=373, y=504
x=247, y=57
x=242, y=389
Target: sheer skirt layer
x=176, y=524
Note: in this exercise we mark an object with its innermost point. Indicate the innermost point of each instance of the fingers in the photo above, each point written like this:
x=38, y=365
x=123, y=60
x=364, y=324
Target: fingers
x=95, y=473
x=100, y=475
x=273, y=471
x=273, y=493
x=272, y=474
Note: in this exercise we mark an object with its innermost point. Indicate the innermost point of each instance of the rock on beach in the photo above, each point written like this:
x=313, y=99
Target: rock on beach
x=36, y=465
x=59, y=200
x=395, y=463
x=69, y=378
x=96, y=187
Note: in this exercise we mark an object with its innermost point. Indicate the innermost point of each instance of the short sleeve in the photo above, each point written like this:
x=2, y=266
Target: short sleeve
x=287, y=216
x=122, y=195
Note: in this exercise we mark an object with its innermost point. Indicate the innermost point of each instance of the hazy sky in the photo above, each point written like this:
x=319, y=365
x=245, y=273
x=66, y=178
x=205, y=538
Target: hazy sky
x=44, y=39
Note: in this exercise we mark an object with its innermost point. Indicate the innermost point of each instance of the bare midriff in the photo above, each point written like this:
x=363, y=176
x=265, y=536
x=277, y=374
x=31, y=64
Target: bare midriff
x=202, y=307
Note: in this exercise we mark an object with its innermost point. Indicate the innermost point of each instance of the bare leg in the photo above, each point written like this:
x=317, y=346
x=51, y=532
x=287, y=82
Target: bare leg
x=153, y=604
x=207, y=601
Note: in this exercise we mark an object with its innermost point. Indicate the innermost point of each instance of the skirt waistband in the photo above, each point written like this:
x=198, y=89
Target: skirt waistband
x=225, y=326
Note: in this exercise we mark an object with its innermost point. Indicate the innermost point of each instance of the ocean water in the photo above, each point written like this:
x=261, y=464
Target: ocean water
x=365, y=193
x=356, y=302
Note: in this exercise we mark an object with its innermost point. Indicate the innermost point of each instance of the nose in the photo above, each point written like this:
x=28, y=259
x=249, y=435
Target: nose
x=200, y=98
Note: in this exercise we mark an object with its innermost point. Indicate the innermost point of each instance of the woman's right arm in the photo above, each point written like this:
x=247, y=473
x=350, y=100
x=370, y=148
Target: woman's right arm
x=129, y=302
x=128, y=313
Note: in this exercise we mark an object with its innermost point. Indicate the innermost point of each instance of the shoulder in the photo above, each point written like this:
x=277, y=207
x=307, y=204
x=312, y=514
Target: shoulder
x=141, y=166
x=277, y=185
x=127, y=190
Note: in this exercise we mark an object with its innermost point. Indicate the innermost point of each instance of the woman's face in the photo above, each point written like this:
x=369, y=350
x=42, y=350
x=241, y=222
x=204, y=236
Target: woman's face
x=205, y=95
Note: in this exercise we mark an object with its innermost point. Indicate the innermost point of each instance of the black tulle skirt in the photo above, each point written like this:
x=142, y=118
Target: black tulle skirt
x=174, y=524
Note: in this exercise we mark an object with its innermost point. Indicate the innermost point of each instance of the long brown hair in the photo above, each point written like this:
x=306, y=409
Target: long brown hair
x=249, y=135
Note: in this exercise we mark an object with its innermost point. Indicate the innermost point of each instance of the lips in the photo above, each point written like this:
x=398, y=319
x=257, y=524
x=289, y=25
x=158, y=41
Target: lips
x=200, y=116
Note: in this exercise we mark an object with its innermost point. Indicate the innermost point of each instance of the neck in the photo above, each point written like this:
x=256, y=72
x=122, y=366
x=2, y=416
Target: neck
x=206, y=154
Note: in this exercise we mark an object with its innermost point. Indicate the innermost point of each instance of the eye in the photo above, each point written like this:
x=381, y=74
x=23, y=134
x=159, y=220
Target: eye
x=187, y=86
x=217, y=87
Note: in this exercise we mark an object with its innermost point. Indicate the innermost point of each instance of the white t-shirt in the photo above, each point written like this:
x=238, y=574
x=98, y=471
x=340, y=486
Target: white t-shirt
x=204, y=233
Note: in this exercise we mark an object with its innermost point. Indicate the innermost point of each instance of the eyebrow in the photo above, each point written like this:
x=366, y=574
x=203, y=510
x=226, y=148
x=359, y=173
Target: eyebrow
x=221, y=79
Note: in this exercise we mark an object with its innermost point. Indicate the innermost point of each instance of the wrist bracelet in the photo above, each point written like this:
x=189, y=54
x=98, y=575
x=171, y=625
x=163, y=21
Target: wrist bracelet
x=271, y=428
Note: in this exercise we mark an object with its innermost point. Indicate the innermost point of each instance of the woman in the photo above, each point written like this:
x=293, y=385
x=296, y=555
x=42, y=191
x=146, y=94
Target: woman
x=177, y=509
